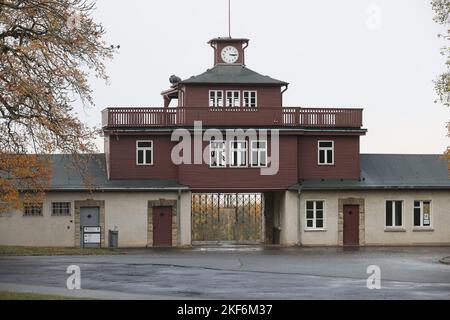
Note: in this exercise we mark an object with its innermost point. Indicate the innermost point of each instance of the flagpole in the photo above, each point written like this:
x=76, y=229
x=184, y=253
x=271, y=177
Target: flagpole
x=229, y=18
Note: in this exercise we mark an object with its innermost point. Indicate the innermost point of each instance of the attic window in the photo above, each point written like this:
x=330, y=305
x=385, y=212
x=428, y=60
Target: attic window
x=144, y=153
x=326, y=153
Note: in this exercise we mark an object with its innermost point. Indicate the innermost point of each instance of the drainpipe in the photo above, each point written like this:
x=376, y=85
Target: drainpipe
x=299, y=193
x=179, y=218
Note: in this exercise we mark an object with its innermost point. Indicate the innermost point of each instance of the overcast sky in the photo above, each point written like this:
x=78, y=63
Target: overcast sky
x=333, y=54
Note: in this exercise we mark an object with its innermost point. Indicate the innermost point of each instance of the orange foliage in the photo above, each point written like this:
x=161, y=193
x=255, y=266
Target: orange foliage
x=47, y=49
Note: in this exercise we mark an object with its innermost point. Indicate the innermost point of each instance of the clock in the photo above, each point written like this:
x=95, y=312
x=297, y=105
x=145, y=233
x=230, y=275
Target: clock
x=230, y=54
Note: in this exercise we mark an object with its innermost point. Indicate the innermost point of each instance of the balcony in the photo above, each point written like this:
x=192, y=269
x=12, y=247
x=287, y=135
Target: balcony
x=294, y=117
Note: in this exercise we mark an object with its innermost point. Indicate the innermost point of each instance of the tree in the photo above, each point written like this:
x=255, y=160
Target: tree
x=48, y=48
x=442, y=84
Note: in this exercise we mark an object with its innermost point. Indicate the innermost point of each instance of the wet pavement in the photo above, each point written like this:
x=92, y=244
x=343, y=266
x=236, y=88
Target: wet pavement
x=240, y=273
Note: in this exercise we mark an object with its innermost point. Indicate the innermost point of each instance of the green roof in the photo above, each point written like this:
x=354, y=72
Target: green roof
x=390, y=171
x=67, y=177
x=232, y=74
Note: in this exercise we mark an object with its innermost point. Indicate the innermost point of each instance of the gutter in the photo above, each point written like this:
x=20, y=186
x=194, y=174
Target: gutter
x=371, y=188
x=112, y=189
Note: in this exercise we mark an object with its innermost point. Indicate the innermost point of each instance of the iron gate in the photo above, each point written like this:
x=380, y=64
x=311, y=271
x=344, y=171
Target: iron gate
x=227, y=217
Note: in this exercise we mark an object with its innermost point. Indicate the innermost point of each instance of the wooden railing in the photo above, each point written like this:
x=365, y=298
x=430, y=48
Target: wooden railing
x=263, y=116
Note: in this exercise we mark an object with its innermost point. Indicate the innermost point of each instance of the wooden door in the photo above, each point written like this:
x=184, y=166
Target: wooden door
x=351, y=225
x=162, y=226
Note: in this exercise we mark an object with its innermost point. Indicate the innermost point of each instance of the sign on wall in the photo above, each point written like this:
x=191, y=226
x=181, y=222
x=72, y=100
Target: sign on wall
x=92, y=238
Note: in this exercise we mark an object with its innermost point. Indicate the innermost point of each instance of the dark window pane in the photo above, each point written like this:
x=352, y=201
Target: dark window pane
x=416, y=204
x=321, y=157
x=319, y=205
x=309, y=223
x=326, y=144
x=319, y=224
x=389, y=213
x=417, y=217
x=148, y=155
x=398, y=213
x=140, y=157
x=330, y=157
x=310, y=214
x=144, y=144
x=319, y=214
x=310, y=205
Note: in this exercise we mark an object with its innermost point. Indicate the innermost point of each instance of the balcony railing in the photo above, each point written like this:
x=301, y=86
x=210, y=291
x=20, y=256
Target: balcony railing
x=263, y=116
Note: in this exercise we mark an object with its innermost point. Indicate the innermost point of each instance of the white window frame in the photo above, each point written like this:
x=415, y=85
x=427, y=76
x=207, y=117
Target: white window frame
x=239, y=150
x=259, y=151
x=33, y=205
x=144, y=149
x=61, y=215
x=422, y=226
x=314, y=219
x=325, y=149
x=223, y=149
x=233, y=99
x=249, y=98
x=394, y=218
x=216, y=100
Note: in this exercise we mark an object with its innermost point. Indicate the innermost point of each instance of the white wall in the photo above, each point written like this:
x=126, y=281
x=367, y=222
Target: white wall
x=125, y=212
x=185, y=230
x=375, y=233
x=288, y=218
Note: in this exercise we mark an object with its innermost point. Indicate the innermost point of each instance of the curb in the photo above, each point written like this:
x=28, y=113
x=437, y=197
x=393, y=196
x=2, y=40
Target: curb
x=445, y=260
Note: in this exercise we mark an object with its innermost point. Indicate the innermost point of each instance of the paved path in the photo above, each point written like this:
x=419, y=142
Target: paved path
x=249, y=273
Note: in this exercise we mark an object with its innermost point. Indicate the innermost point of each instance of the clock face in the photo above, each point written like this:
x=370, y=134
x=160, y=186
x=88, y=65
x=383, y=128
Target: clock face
x=230, y=54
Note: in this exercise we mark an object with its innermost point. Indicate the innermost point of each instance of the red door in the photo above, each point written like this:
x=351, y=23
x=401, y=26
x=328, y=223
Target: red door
x=162, y=226
x=351, y=225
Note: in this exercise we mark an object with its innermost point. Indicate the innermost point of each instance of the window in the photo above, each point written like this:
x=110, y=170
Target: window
x=238, y=154
x=61, y=209
x=218, y=154
x=422, y=213
x=326, y=153
x=315, y=217
x=259, y=154
x=233, y=99
x=394, y=213
x=144, y=153
x=216, y=99
x=250, y=100
x=32, y=210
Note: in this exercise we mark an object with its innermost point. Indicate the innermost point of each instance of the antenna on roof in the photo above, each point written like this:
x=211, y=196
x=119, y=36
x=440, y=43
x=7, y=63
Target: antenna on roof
x=229, y=18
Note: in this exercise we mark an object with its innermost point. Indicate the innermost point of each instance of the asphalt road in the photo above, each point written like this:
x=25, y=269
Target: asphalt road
x=246, y=273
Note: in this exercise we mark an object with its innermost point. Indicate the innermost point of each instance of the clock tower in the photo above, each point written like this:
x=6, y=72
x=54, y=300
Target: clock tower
x=229, y=51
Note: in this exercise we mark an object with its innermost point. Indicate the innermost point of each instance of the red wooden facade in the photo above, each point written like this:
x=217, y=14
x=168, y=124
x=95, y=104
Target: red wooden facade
x=300, y=129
